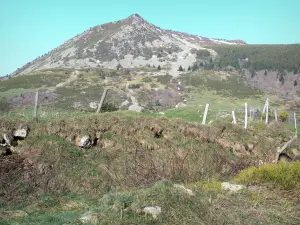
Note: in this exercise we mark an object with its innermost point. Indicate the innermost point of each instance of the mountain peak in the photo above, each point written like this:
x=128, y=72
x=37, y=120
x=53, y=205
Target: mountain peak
x=136, y=17
x=130, y=42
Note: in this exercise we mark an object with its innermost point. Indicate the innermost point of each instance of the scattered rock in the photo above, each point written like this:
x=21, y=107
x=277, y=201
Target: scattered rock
x=21, y=133
x=186, y=190
x=254, y=188
x=261, y=163
x=153, y=210
x=89, y=218
x=180, y=104
x=250, y=147
x=83, y=141
x=8, y=139
x=126, y=102
x=93, y=105
x=232, y=187
x=135, y=108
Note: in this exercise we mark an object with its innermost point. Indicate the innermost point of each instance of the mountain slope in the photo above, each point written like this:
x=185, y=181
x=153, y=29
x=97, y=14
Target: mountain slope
x=128, y=43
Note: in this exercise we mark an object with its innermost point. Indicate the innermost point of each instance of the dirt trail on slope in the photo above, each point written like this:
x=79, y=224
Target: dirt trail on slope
x=72, y=78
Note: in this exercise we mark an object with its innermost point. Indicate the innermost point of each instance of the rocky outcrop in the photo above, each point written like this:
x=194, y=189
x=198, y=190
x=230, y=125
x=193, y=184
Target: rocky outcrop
x=9, y=139
x=154, y=211
x=232, y=187
x=84, y=141
x=89, y=218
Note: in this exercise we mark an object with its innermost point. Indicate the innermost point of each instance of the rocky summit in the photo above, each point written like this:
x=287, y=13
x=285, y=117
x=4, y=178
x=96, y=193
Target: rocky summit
x=126, y=43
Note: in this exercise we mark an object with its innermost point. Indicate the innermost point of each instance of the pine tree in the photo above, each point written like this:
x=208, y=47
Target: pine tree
x=180, y=68
x=189, y=68
x=281, y=79
x=158, y=68
x=295, y=83
x=195, y=67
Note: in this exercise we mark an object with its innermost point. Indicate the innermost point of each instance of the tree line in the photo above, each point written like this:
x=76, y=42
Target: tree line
x=259, y=57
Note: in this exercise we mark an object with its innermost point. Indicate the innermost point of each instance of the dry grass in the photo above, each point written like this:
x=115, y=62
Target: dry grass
x=131, y=153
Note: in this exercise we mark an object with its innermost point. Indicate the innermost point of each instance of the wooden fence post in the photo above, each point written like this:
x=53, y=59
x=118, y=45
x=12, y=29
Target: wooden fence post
x=35, y=113
x=205, y=113
x=295, y=121
x=264, y=109
x=267, y=111
x=102, y=100
x=280, y=150
x=246, y=115
x=233, y=117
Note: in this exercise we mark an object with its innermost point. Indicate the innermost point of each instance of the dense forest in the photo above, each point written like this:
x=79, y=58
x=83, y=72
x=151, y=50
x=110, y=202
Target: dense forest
x=259, y=57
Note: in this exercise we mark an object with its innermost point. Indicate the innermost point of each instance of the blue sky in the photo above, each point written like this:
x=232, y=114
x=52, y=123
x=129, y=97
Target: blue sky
x=30, y=28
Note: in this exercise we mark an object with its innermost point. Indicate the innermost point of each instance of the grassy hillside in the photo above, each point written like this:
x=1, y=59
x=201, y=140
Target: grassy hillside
x=51, y=181
x=155, y=91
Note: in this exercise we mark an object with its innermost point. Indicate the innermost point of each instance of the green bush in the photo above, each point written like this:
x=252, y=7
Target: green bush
x=270, y=115
x=108, y=107
x=281, y=175
x=147, y=79
x=5, y=106
x=165, y=79
x=134, y=86
x=202, y=54
x=283, y=116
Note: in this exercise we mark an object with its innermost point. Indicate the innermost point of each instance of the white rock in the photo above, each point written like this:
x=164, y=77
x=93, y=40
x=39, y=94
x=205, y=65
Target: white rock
x=232, y=187
x=161, y=113
x=21, y=133
x=93, y=105
x=180, y=104
x=126, y=102
x=7, y=139
x=84, y=141
x=153, y=210
x=89, y=218
x=186, y=190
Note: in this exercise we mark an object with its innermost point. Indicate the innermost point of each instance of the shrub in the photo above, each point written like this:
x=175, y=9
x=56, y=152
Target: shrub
x=258, y=126
x=270, y=115
x=134, y=86
x=147, y=79
x=202, y=54
x=165, y=79
x=108, y=107
x=281, y=175
x=153, y=85
x=207, y=186
x=283, y=116
x=5, y=106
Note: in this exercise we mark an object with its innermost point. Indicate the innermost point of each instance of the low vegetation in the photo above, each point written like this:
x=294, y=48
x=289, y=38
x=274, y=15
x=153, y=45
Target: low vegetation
x=283, y=175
